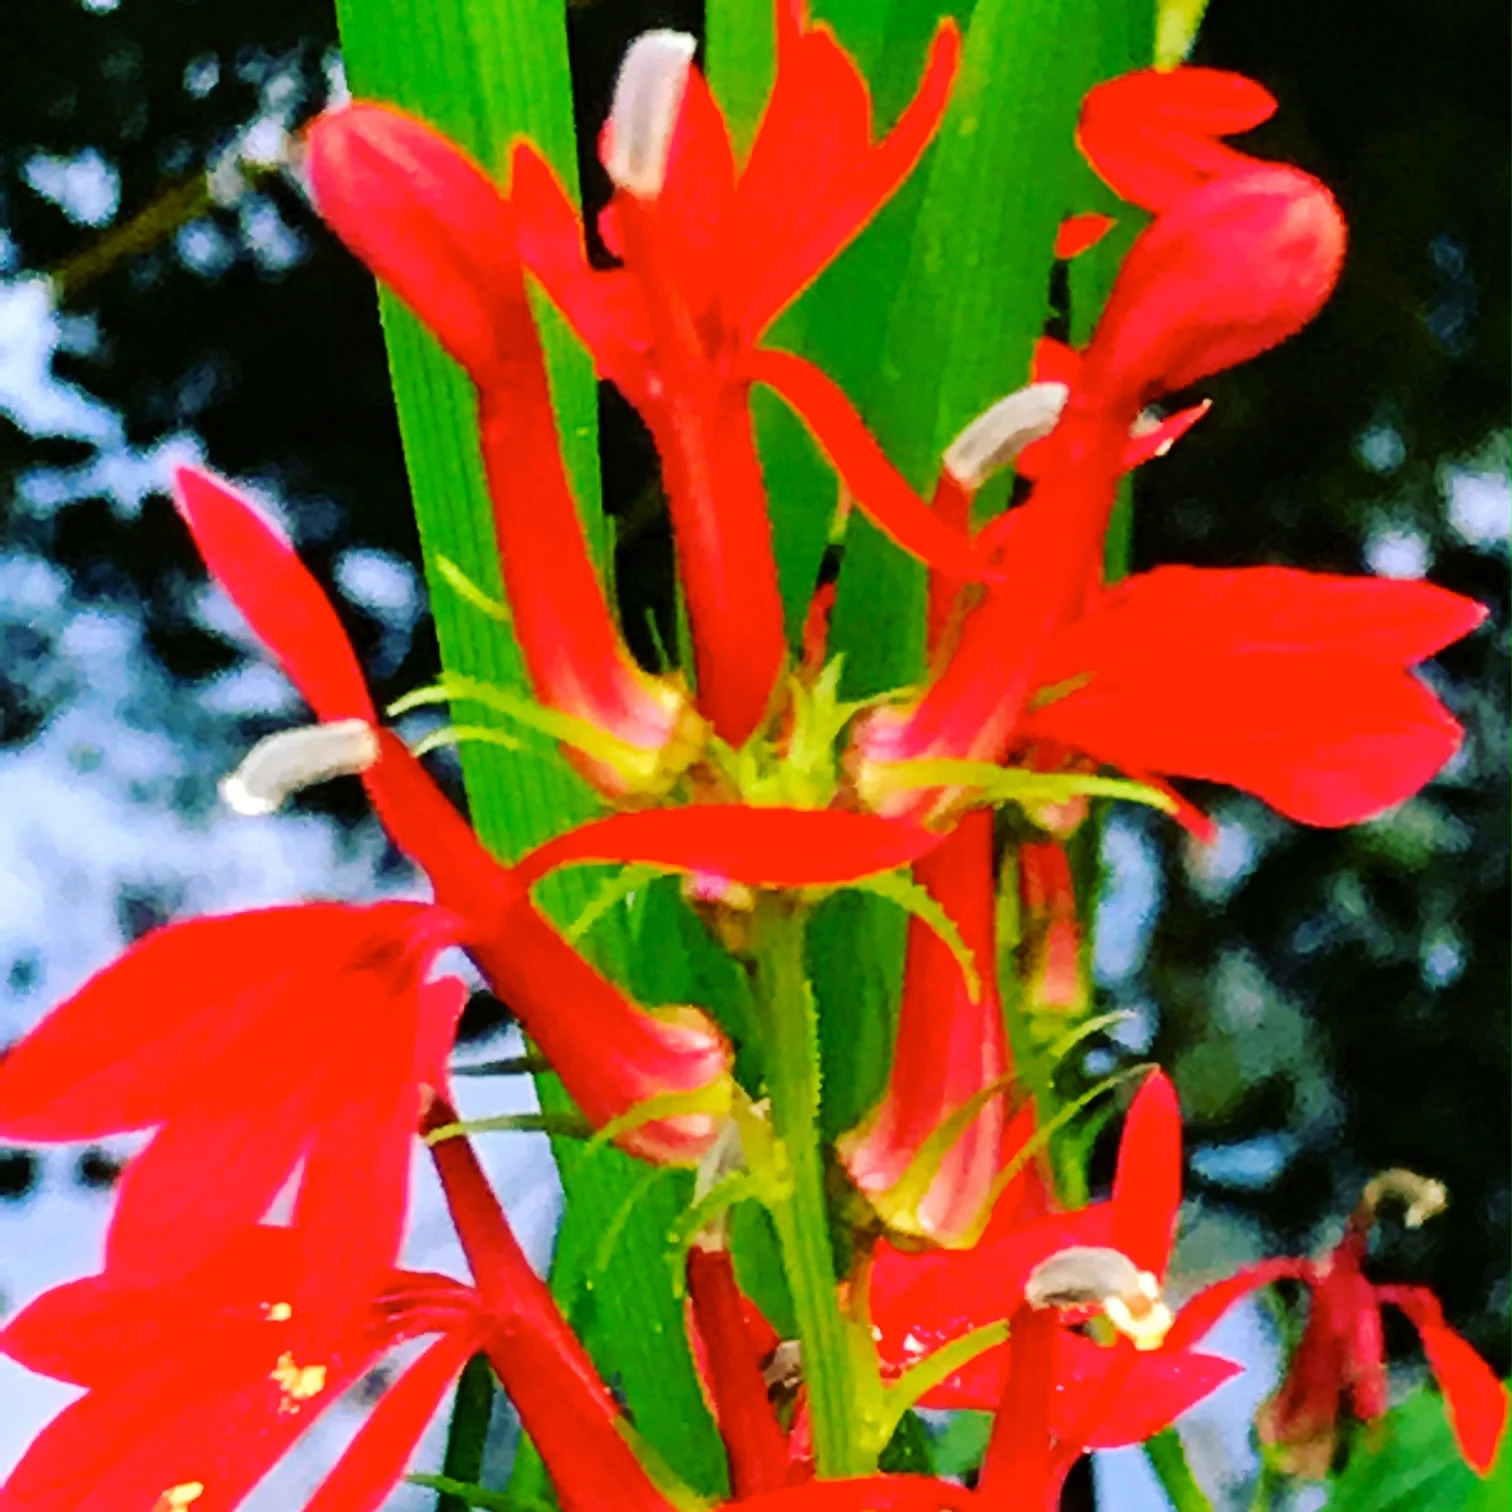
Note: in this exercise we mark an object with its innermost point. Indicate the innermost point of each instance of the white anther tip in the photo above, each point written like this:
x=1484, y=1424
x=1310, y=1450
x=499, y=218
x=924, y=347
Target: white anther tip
x=648, y=98
x=999, y=434
x=288, y=761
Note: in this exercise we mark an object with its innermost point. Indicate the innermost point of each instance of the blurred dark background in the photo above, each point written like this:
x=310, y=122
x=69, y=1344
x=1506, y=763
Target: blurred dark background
x=1331, y=1003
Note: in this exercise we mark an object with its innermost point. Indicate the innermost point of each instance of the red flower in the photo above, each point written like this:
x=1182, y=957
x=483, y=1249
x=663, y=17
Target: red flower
x=1066, y=1392
x=609, y=1053
x=950, y=1049
x=430, y=223
x=711, y=258
x=251, y=1043
x=1234, y=267
x=195, y=1389
x=1340, y=1362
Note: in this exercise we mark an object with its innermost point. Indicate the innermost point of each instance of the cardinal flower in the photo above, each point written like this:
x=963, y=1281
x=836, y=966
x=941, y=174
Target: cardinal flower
x=194, y=1389
x=610, y=1053
x=251, y=1043
x=1234, y=267
x=430, y=223
x=711, y=256
x=1340, y=1363
x=1086, y=1393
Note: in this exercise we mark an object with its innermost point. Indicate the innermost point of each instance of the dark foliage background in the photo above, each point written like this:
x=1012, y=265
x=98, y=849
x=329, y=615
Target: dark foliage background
x=1332, y=1003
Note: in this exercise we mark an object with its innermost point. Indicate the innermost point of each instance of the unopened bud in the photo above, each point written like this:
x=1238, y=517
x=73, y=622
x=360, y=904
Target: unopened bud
x=285, y=763
x=1087, y=1276
x=648, y=98
x=999, y=434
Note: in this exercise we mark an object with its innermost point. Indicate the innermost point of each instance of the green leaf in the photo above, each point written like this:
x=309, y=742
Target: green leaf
x=469, y=1494
x=1409, y=1462
x=1168, y=1460
x=485, y=71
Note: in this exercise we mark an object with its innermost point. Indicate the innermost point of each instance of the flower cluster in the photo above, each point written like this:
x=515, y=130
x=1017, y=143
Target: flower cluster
x=213, y=1335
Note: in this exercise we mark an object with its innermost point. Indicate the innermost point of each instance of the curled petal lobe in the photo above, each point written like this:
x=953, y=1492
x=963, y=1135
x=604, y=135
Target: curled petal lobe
x=761, y=847
x=880, y=490
x=254, y=561
x=786, y=228
x=429, y=222
x=606, y=309
x=1476, y=1400
x=1152, y=135
x=1201, y=1313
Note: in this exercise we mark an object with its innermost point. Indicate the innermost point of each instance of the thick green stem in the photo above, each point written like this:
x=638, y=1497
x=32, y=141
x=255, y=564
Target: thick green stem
x=840, y=1387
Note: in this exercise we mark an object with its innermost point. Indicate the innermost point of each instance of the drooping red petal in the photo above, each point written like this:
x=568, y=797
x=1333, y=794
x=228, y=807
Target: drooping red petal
x=1109, y=1397
x=761, y=847
x=376, y=1458
x=1145, y=445
x=879, y=489
x=604, y=308
x=1200, y=1315
x=1475, y=1399
x=428, y=221
x=354, y=1188
x=1150, y=135
x=787, y=227
x=146, y=1035
x=1236, y=267
x=254, y=561
x=1077, y=233
x=1147, y=1183
x=213, y=1171
x=1287, y=684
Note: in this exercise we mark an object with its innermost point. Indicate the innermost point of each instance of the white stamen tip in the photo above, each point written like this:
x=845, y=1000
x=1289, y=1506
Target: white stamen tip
x=999, y=434
x=648, y=98
x=286, y=762
x=1088, y=1276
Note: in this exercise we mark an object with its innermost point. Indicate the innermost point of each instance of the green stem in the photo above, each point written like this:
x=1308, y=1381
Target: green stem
x=468, y=1434
x=833, y=1364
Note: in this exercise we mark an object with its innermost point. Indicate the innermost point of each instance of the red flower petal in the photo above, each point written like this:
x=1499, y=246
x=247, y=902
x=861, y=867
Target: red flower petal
x=1109, y=1397
x=948, y=1048
x=377, y=1457
x=730, y=1362
x=697, y=193
x=879, y=489
x=214, y=1171
x=1147, y=1184
x=762, y=847
x=1079, y=232
x=1150, y=134
x=429, y=222
x=1200, y=1315
x=288, y=610
x=787, y=226
x=144, y=1036
x=1287, y=684
x=604, y=308
x=1476, y=1400
x=872, y=1493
